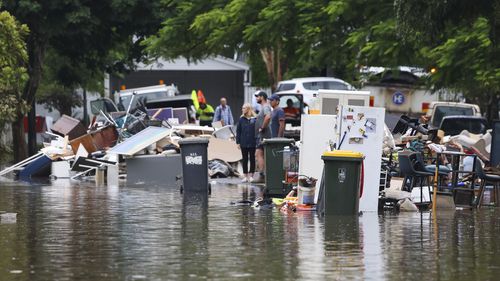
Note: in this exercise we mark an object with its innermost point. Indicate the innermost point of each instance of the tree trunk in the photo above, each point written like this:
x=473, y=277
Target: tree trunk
x=492, y=108
x=20, y=151
x=268, y=58
x=36, y=53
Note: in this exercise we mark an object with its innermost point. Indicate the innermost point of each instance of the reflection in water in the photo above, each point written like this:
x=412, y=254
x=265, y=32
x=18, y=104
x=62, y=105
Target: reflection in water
x=343, y=246
x=194, y=235
x=122, y=233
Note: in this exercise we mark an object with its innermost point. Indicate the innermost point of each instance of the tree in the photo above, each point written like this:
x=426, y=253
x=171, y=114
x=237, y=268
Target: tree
x=95, y=35
x=292, y=38
x=198, y=29
x=459, y=38
x=13, y=74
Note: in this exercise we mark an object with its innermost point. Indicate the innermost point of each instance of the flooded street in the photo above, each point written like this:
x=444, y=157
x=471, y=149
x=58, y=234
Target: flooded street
x=83, y=232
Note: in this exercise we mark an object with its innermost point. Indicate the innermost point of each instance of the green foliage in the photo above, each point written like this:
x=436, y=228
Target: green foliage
x=13, y=58
x=199, y=29
x=293, y=38
x=464, y=59
x=75, y=41
x=460, y=38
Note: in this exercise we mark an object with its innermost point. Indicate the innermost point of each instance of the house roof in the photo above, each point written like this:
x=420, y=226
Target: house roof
x=217, y=63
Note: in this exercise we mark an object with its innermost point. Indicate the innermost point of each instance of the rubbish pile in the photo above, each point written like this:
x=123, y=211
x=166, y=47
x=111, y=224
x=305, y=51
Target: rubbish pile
x=147, y=139
x=436, y=151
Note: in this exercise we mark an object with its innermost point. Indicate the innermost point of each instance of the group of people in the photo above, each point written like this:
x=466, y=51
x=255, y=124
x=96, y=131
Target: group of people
x=207, y=115
x=253, y=128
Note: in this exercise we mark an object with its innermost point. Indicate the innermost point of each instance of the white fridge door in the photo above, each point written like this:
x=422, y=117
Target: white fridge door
x=361, y=129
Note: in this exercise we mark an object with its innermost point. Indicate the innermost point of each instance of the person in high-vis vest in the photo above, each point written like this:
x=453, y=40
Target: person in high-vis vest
x=205, y=113
x=194, y=98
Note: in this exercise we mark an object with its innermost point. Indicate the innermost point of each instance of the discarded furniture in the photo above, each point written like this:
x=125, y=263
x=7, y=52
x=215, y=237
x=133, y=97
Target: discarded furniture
x=38, y=168
x=226, y=150
x=69, y=126
x=154, y=170
x=105, y=137
x=20, y=165
x=463, y=196
x=226, y=132
x=86, y=141
x=60, y=169
x=408, y=162
x=140, y=141
x=486, y=178
x=317, y=131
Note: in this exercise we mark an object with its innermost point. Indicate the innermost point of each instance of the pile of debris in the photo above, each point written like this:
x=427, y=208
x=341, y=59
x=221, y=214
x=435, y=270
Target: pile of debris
x=140, y=145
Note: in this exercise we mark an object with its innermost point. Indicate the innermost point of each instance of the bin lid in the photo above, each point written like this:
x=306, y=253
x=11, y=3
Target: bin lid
x=278, y=140
x=193, y=141
x=343, y=153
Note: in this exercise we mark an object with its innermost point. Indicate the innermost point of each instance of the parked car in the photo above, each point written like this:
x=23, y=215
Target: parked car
x=309, y=86
x=454, y=125
x=438, y=110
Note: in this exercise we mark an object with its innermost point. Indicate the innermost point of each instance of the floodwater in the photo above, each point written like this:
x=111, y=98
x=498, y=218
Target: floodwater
x=83, y=232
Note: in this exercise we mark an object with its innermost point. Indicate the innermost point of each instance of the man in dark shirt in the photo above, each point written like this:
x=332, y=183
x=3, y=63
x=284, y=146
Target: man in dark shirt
x=262, y=130
x=277, y=117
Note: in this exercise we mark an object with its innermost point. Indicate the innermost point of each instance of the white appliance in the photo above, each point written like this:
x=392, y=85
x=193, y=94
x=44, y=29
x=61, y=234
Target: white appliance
x=329, y=100
x=361, y=129
x=317, y=133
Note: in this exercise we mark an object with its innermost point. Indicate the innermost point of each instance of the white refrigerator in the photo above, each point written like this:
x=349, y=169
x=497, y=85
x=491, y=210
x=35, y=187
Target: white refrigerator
x=361, y=129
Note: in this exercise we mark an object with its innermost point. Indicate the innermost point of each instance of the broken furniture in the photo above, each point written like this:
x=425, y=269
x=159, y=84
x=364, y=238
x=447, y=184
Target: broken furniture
x=140, y=141
x=486, y=178
x=463, y=195
x=69, y=126
x=226, y=150
x=37, y=168
x=154, y=170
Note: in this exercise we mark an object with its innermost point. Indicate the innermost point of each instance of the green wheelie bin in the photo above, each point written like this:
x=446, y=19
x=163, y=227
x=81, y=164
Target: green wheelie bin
x=275, y=173
x=342, y=182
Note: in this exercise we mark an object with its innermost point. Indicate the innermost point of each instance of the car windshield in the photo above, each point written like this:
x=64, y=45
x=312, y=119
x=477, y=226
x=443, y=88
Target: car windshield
x=326, y=85
x=442, y=111
x=454, y=126
x=286, y=87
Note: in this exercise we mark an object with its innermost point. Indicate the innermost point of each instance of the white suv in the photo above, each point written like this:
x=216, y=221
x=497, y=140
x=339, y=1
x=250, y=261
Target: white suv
x=309, y=86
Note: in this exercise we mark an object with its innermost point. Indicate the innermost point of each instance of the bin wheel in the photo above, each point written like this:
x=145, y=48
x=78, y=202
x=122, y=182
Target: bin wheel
x=209, y=189
x=181, y=190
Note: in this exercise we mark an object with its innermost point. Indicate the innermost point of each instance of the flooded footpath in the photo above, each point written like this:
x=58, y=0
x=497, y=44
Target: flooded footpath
x=83, y=232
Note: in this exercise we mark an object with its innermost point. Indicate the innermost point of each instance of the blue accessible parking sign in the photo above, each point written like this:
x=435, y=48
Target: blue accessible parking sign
x=398, y=98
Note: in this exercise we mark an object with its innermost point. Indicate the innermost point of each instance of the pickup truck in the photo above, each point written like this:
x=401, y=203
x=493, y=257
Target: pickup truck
x=454, y=125
x=438, y=110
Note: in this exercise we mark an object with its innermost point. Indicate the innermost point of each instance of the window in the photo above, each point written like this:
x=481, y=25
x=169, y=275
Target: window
x=327, y=85
x=456, y=126
x=442, y=111
x=286, y=87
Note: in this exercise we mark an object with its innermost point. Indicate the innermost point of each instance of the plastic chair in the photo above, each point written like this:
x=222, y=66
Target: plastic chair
x=409, y=167
x=485, y=178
